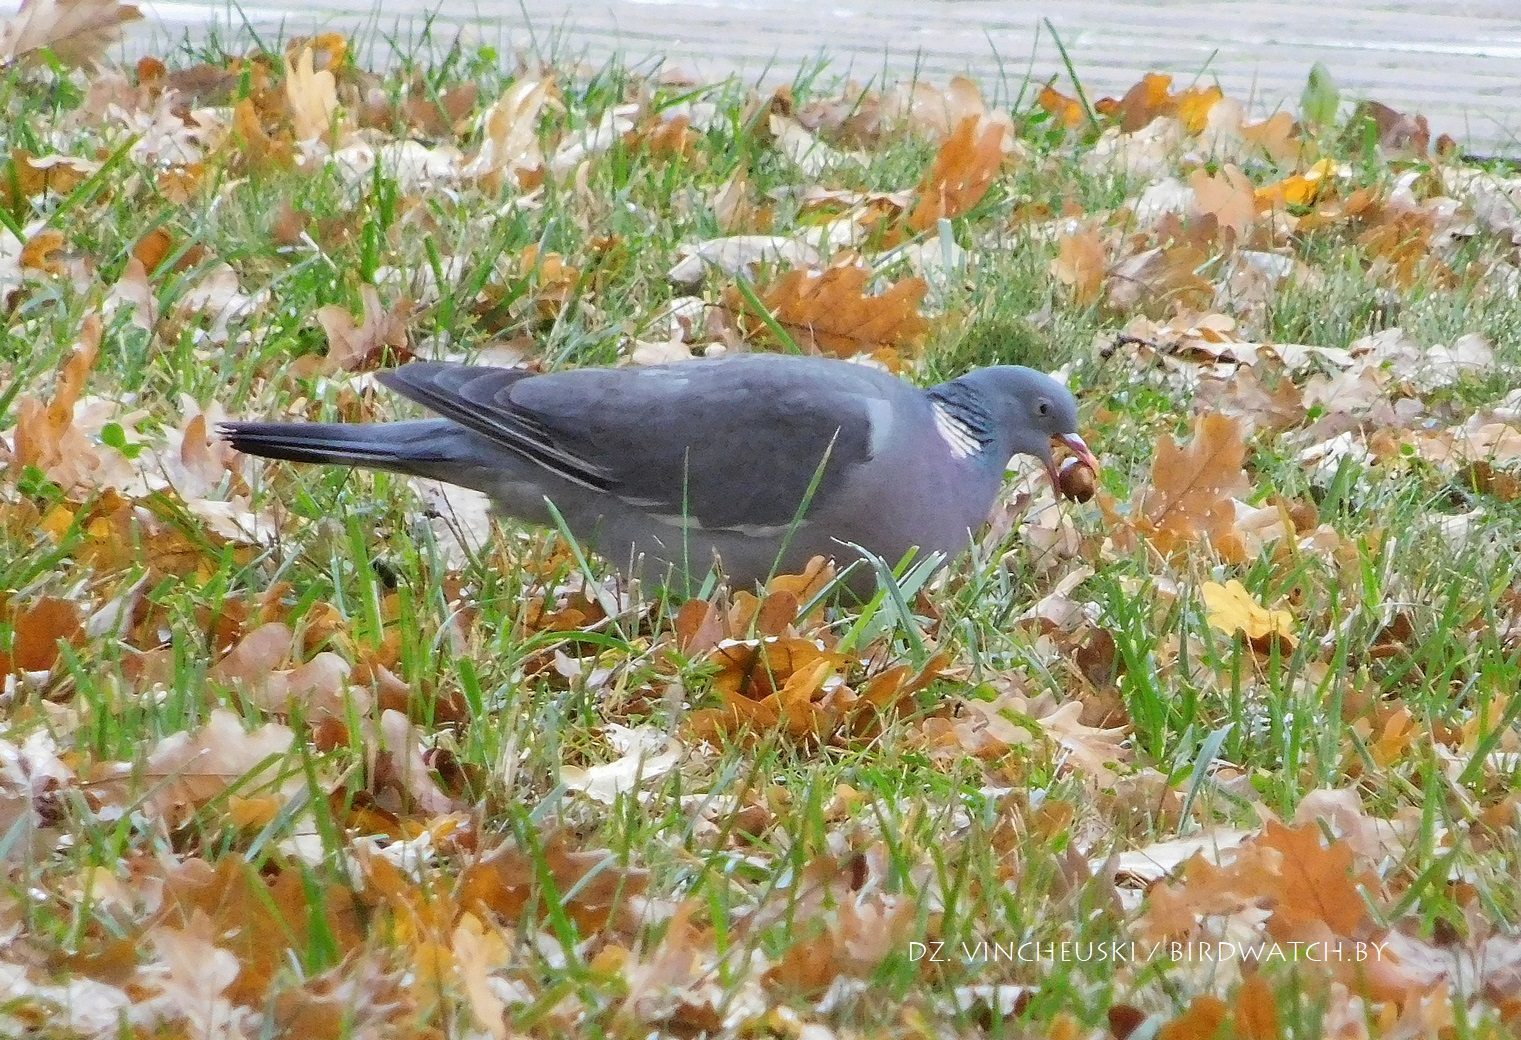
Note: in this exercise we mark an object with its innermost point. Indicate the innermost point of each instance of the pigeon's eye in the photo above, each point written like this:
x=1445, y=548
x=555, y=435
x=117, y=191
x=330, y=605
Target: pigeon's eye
x=1043, y=408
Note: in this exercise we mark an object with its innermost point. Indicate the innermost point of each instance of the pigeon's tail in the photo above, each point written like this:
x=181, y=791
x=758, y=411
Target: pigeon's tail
x=424, y=447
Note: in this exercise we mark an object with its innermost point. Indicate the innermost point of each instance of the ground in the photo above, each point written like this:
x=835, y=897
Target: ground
x=1227, y=748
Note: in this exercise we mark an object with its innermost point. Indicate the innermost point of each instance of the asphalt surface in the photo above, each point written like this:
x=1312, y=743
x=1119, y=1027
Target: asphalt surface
x=1456, y=61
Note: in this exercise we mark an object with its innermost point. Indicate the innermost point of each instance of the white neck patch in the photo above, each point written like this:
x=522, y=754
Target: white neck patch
x=962, y=441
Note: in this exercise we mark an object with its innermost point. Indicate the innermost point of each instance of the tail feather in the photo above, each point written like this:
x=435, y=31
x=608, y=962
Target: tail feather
x=420, y=447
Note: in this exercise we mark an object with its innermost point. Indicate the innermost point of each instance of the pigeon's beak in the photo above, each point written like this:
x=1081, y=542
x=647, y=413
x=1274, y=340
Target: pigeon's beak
x=1079, y=449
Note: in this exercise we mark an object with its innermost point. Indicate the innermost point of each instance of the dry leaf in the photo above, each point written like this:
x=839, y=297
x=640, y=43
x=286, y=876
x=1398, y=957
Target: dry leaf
x=1319, y=883
x=1276, y=137
x=1192, y=487
x=1159, y=281
x=36, y=631
x=45, y=436
x=380, y=339
x=1228, y=196
x=261, y=151
x=1204, y=1020
x=646, y=755
x=1300, y=189
x=830, y=313
x=1152, y=98
x=510, y=136
x=811, y=156
x=1067, y=111
x=737, y=254
x=1399, y=135
x=594, y=140
x=187, y=770
x=38, y=254
x=1231, y=609
x=77, y=32
x=1081, y=263
x=28, y=176
x=961, y=173
x=312, y=97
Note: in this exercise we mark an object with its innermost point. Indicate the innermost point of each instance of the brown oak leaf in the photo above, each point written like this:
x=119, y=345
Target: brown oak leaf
x=1192, y=486
x=829, y=312
x=961, y=173
x=1319, y=885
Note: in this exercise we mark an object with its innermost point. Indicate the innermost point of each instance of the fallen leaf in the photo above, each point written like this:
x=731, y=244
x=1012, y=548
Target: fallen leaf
x=261, y=150
x=961, y=173
x=1319, y=882
x=736, y=254
x=380, y=339
x=1397, y=134
x=829, y=312
x=36, y=630
x=1081, y=263
x=186, y=770
x=510, y=136
x=1228, y=196
x=811, y=155
x=1204, y=1020
x=645, y=754
x=1159, y=281
x=38, y=254
x=1192, y=487
x=312, y=98
x=1231, y=609
x=1067, y=111
x=1152, y=98
x=593, y=140
x=1299, y=189
x=29, y=176
x=594, y=886
x=76, y=32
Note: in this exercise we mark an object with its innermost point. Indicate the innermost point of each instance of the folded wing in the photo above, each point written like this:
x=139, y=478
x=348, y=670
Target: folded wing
x=733, y=443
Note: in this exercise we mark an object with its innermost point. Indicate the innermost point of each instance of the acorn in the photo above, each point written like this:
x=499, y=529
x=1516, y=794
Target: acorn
x=1076, y=480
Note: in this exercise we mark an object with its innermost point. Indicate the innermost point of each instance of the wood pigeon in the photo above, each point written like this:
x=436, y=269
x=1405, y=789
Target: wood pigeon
x=761, y=461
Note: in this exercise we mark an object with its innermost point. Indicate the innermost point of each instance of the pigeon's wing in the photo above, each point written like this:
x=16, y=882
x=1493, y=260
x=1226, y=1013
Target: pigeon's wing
x=733, y=443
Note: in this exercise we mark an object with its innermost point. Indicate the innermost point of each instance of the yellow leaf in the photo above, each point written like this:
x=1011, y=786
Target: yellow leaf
x=1301, y=189
x=57, y=522
x=252, y=812
x=1194, y=105
x=1231, y=609
x=433, y=962
x=1066, y=110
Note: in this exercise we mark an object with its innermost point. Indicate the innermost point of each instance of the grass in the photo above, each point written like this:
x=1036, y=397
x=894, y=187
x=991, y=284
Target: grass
x=805, y=869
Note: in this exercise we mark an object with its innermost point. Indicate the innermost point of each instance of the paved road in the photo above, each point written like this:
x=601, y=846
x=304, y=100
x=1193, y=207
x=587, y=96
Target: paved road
x=1456, y=61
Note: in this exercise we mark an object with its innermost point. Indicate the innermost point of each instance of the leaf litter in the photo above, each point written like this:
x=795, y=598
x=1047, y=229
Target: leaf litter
x=252, y=781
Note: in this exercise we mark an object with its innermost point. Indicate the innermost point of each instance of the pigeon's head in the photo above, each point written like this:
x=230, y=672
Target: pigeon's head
x=1014, y=410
